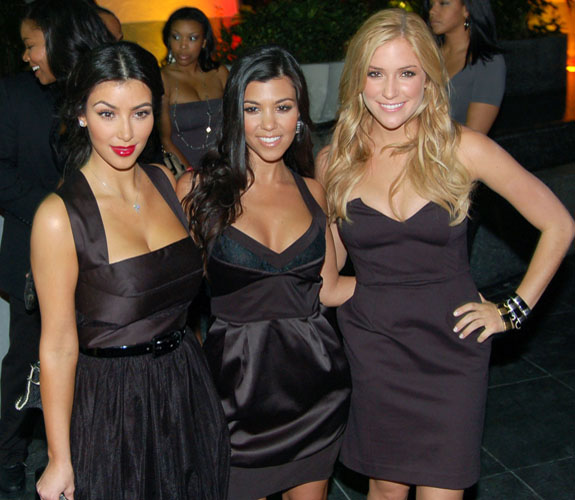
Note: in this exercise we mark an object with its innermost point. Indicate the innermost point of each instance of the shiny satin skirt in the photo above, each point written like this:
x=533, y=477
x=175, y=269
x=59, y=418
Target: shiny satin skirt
x=149, y=428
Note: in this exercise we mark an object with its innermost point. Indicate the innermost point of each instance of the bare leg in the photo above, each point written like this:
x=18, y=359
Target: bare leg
x=316, y=490
x=387, y=490
x=429, y=493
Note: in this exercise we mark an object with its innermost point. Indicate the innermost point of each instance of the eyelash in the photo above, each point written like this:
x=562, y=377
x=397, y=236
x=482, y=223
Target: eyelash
x=140, y=115
x=282, y=108
x=377, y=74
x=178, y=37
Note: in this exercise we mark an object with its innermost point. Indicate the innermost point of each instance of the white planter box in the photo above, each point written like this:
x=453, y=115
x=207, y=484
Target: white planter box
x=323, y=85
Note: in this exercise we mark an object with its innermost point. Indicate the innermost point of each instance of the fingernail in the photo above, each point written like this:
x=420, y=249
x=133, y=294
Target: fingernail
x=456, y=313
x=461, y=335
x=455, y=329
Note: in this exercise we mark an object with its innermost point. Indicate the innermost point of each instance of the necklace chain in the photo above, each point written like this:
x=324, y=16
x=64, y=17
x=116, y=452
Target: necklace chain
x=209, y=113
x=136, y=206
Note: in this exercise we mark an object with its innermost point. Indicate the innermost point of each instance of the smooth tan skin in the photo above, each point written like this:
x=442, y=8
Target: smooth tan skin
x=447, y=18
x=490, y=164
x=185, y=74
x=123, y=121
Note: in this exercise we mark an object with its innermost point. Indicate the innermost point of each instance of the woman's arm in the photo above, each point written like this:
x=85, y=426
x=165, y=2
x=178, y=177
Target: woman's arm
x=486, y=94
x=480, y=116
x=55, y=270
x=335, y=289
x=493, y=166
x=165, y=125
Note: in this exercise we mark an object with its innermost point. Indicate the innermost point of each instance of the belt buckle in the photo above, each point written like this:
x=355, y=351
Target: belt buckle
x=163, y=344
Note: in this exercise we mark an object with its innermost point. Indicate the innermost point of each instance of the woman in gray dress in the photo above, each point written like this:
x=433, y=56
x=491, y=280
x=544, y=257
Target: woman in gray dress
x=465, y=30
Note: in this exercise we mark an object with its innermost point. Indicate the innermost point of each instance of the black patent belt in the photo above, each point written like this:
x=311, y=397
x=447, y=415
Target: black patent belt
x=160, y=345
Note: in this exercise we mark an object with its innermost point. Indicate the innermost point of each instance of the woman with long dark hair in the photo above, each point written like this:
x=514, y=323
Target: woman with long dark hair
x=55, y=33
x=129, y=405
x=194, y=84
x=259, y=219
x=465, y=30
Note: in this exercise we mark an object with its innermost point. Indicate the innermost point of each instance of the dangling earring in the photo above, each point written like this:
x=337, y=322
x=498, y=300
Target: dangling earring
x=171, y=58
x=467, y=23
x=82, y=123
x=298, y=127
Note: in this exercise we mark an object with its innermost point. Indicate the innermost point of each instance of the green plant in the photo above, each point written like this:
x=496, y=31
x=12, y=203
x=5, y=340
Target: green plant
x=513, y=18
x=312, y=30
x=317, y=30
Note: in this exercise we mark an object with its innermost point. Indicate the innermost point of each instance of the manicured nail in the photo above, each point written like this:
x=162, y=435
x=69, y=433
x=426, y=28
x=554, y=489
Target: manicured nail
x=455, y=329
x=461, y=335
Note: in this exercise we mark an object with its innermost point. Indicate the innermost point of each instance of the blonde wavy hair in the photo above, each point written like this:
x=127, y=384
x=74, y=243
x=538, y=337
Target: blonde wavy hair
x=431, y=165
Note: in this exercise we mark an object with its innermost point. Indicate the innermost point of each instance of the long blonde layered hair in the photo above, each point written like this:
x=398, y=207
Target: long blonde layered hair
x=431, y=165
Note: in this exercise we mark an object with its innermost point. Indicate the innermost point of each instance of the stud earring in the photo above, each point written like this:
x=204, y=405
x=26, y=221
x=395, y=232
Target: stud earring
x=467, y=23
x=81, y=122
x=298, y=127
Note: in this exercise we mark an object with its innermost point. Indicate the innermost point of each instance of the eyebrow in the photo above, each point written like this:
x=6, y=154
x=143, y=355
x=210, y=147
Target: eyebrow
x=403, y=67
x=277, y=102
x=143, y=105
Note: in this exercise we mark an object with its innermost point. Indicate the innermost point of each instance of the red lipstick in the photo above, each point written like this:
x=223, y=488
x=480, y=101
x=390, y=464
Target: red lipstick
x=123, y=151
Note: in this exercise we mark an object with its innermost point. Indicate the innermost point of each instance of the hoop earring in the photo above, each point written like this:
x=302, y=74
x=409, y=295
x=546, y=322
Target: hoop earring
x=171, y=59
x=467, y=23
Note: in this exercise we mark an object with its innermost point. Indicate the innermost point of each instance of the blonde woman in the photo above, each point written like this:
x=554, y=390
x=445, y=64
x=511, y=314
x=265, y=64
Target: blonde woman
x=417, y=333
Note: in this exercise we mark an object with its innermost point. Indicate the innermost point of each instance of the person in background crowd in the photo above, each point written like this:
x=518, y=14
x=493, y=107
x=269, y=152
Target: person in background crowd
x=398, y=176
x=194, y=85
x=112, y=22
x=134, y=413
x=55, y=33
x=466, y=33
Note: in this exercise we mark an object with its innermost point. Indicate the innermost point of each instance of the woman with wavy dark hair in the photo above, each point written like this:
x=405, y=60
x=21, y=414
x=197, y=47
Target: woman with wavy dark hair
x=194, y=84
x=259, y=218
x=465, y=30
x=129, y=404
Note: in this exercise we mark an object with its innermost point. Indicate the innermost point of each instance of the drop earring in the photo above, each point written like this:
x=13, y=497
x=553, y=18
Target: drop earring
x=171, y=58
x=298, y=127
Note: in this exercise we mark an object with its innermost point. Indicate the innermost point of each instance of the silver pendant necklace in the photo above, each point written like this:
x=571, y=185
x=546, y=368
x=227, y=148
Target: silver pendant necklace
x=208, y=129
x=136, y=206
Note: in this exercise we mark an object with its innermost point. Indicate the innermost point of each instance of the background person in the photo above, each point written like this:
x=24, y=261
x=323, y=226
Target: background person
x=194, y=85
x=466, y=33
x=55, y=33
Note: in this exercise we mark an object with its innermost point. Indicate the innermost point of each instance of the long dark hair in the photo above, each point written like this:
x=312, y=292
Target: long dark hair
x=192, y=14
x=215, y=201
x=119, y=61
x=482, y=33
x=70, y=28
